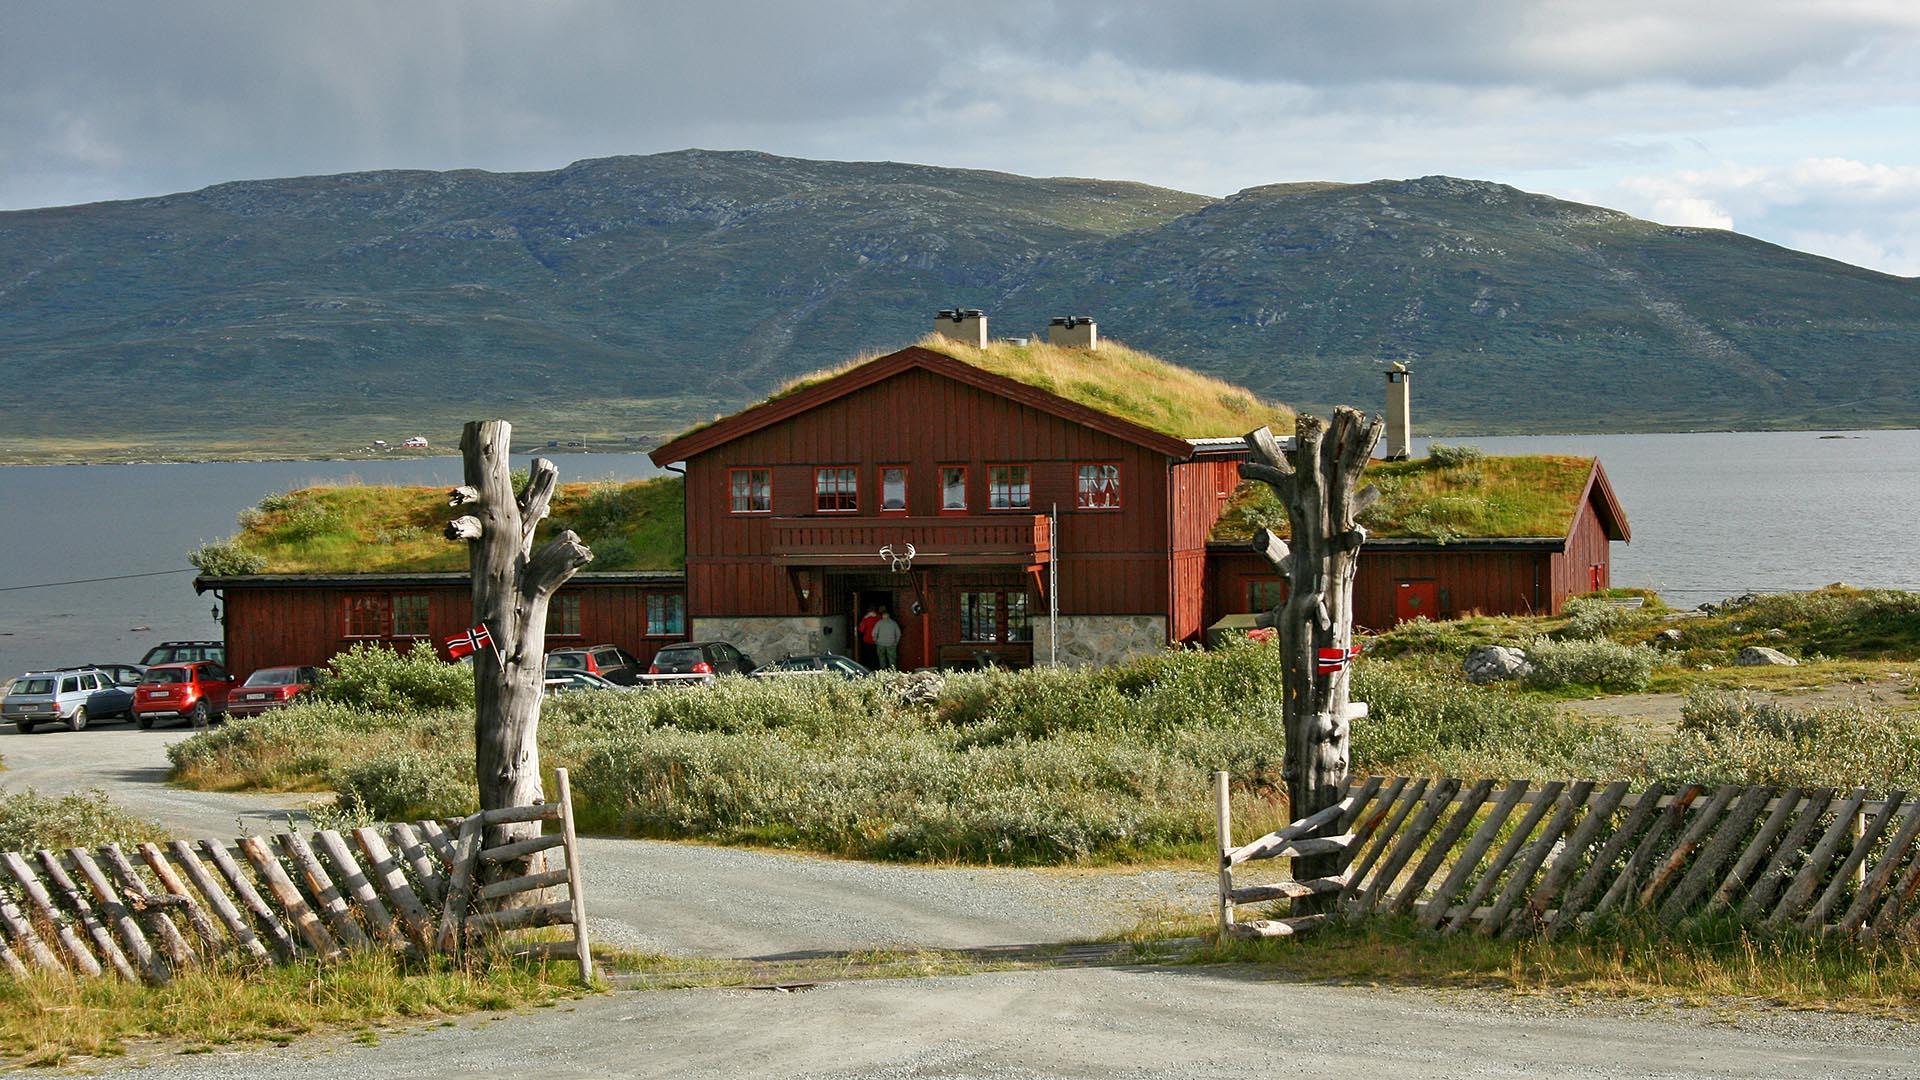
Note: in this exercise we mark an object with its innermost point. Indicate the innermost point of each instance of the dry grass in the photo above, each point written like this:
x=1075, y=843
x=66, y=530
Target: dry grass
x=1493, y=497
x=1117, y=380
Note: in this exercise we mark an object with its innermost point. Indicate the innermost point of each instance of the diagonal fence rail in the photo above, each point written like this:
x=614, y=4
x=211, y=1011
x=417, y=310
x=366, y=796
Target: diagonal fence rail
x=414, y=888
x=1541, y=858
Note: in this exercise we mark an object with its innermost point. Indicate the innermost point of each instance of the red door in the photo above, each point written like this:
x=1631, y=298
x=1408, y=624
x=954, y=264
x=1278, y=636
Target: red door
x=1413, y=598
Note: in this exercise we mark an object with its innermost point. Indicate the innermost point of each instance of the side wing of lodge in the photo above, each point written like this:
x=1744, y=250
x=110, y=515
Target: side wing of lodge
x=989, y=513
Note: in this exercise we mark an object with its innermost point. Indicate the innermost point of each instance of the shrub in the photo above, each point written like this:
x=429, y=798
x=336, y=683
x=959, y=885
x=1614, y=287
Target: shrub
x=1453, y=457
x=1598, y=663
x=380, y=677
x=30, y=820
x=279, y=500
x=1590, y=617
x=404, y=785
x=1739, y=738
x=307, y=520
x=224, y=558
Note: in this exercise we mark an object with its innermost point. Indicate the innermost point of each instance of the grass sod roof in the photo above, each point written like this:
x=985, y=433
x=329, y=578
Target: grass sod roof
x=1133, y=385
x=1483, y=498
x=366, y=529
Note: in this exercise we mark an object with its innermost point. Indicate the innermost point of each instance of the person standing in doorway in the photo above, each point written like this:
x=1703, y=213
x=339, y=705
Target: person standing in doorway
x=886, y=640
x=867, y=654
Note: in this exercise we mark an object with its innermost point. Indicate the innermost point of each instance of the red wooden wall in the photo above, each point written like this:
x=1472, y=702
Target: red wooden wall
x=290, y=624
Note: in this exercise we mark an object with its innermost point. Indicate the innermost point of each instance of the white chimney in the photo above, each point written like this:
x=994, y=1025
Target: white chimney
x=1399, y=413
x=1073, y=332
x=966, y=325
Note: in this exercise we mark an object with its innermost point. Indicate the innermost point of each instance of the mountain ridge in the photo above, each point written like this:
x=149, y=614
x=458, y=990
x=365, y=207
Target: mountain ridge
x=622, y=298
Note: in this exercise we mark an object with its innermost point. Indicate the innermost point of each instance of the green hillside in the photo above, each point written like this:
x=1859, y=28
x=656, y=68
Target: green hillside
x=625, y=298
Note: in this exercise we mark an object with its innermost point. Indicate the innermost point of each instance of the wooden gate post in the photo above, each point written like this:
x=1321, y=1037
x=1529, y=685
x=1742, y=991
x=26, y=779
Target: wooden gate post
x=1318, y=481
x=512, y=584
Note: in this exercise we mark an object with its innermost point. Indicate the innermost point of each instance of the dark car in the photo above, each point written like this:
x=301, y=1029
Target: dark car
x=185, y=652
x=70, y=696
x=197, y=692
x=610, y=662
x=708, y=658
x=127, y=675
x=270, y=688
x=815, y=664
x=566, y=682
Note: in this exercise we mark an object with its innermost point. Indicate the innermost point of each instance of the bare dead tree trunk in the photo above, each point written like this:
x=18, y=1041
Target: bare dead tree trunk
x=512, y=584
x=1318, y=481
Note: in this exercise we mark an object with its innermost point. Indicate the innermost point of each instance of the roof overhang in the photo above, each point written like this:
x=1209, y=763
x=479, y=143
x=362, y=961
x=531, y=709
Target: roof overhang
x=768, y=413
x=658, y=578
x=1599, y=494
x=1427, y=544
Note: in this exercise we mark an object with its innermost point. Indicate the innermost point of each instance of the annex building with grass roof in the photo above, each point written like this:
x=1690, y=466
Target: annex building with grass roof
x=1026, y=500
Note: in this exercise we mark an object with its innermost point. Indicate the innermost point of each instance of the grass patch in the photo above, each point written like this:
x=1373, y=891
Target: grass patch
x=30, y=820
x=46, y=1020
x=634, y=525
x=1443, y=497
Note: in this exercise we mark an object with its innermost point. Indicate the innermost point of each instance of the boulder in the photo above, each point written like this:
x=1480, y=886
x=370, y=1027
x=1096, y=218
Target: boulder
x=1669, y=636
x=1495, y=663
x=1777, y=634
x=920, y=687
x=1761, y=656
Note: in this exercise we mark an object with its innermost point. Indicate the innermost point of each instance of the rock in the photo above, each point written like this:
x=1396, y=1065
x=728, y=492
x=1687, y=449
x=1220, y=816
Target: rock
x=1669, y=636
x=1494, y=663
x=1761, y=656
x=1777, y=634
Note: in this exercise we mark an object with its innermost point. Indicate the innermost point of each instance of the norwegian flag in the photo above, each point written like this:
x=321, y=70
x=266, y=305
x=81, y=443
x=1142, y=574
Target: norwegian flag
x=1328, y=661
x=463, y=645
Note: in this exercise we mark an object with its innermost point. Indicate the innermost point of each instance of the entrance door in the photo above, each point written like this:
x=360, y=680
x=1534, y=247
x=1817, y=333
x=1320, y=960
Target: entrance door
x=1414, y=598
x=899, y=604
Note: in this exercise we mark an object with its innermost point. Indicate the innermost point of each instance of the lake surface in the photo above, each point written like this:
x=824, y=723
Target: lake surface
x=1713, y=515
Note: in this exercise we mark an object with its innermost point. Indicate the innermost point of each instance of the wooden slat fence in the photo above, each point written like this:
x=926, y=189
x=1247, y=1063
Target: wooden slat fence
x=157, y=911
x=1542, y=858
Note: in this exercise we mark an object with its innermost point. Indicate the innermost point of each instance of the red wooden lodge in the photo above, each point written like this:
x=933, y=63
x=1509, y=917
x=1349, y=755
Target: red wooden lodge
x=994, y=497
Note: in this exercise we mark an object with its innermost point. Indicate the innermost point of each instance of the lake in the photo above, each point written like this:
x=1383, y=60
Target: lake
x=1713, y=515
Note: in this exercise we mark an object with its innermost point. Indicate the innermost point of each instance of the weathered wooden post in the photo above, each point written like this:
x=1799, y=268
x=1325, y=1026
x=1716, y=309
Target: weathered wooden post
x=512, y=584
x=1319, y=483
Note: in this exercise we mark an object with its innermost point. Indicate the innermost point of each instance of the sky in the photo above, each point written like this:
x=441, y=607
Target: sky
x=1795, y=121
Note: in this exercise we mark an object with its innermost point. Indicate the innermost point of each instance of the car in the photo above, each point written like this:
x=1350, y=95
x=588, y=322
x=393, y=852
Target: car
x=566, y=682
x=814, y=664
x=270, y=688
x=196, y=691
x=182, y=652
x=707, y=658
x=72, y=696
x=127, y=675
x=610, y=662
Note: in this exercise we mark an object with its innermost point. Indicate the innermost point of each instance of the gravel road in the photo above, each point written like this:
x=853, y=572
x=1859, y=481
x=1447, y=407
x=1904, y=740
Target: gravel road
x=1101, y=1022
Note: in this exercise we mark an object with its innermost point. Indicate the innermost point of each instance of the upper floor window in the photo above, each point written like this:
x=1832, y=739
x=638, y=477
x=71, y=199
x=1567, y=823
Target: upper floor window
x=836, y=490
x=563, y=615
x=953, y=489
x=1099, y=488
x=1010, y=487
x=410, y=615
x=752, y=491
x=893, y=488
x=666, y=614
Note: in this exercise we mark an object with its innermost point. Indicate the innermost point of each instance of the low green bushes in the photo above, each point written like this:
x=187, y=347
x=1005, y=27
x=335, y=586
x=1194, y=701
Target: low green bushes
x=30, y=820
x=379, y=677
x=1598, y=662
x=1731, y=736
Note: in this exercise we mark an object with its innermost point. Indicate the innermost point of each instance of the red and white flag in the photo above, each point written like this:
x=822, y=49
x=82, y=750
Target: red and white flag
x=1328, y=661
x=463, y=645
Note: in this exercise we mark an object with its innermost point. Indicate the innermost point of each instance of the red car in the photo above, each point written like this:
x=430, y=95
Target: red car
x=270, y=688
x=196, y=691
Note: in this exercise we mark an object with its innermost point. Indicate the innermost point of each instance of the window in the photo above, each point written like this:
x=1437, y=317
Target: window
x=563, y=616
x=994, y=616
x=893, y=488
x=410, y=616
x=1009, y=487
x=953, y=489
x=752, y=491
x=367, y=616
x=1266, y=594
x=836, y=490
x=666, y=614
x=1099, y=488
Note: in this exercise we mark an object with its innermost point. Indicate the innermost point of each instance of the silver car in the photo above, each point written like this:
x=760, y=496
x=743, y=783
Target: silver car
x=70, y=696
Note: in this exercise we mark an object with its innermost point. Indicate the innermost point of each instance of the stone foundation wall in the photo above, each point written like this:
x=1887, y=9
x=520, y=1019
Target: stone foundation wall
x=1101, y=639
x=769, y=639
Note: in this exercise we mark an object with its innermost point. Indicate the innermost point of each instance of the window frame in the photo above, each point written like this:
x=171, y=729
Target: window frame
x=966, y=493
x=425, y=612
x=906, y=489
x=852, y=496
x=1254, y=588
x=1027, y=507
x=363, y=604
x=1003, y=602
x=749, y=469
x=558, y=607
x=1080, y=491
x=679, y=602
